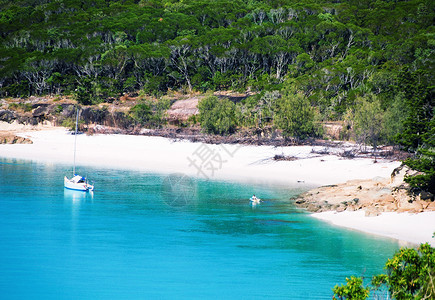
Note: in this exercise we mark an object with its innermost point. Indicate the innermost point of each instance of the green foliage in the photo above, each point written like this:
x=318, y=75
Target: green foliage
x=221, y=81
x=304, y=62
x=70, y=123
x=130, y=84
x=394, y=118
x=150, y=113
x=59, y=109
x=368, y=117
x=420, y=105
x=425, y=163
x=217, y=116
x=258, y=111
x=330, y=49
x=418, y=133
x=21, y=106
x=153, y=85
x=83, y=95
x=142, y=113
x=295, y=116
x=353, y=290
x=17, y=89
x=410, y=275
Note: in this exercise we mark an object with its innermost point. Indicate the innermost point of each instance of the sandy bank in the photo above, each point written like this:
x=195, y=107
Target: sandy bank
x=413, y=228
x=231, y=162
x=253, y=164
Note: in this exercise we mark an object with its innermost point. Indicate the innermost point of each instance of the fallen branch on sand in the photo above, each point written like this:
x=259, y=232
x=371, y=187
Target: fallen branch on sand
x=280, y=157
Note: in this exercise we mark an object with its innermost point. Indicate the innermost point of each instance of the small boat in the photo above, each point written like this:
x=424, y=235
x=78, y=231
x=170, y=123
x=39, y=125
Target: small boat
x=254, y=200
x=77, y=182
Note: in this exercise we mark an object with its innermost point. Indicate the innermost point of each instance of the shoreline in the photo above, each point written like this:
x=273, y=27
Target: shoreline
x=400, y=226
x=242, y=163
x=224, y=161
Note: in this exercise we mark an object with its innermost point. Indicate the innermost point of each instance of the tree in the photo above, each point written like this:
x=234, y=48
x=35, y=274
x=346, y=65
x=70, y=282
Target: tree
x=304, y=62
x=418, y=135
x=115, y=61
x=420, y=109
x=368, y=119
x=425, y=163
x=217, y=115
x=410, y=274
x=394, y=117
x=84, y=92
x=37, y=71
x=295, y=116
x=353, y=290
x=266, y=107
x=181, y=57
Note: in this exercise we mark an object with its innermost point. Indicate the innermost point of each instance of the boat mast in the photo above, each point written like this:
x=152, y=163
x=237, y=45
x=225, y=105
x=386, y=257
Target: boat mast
x=75, y=142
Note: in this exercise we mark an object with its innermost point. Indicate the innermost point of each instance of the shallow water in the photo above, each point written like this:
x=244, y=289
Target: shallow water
x=147, y=236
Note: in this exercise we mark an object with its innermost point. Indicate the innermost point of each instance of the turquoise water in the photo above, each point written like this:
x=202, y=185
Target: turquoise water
x=133, y=238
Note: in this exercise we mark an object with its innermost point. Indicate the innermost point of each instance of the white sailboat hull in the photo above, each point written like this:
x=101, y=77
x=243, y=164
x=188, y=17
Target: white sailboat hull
x=76, y=184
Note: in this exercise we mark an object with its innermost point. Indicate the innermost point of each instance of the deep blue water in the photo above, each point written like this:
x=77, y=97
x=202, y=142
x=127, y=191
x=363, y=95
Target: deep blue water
x=135, y=238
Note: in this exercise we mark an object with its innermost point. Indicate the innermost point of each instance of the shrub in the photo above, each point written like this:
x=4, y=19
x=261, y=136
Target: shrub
x=296, y=117
x=353, y=289
x=410, y=275
x=149, y=113
x=142, y=113
x=217, y=116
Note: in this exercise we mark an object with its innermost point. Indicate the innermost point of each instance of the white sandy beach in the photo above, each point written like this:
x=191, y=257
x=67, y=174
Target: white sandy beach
x=253, y=164
x=412, y=228
x=228, y=162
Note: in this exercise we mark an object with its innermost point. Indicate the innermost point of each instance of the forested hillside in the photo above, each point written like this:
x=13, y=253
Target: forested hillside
x=367, y=63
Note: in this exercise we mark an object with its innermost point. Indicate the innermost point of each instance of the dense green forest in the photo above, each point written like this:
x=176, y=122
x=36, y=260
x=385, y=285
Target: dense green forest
x=367, y=63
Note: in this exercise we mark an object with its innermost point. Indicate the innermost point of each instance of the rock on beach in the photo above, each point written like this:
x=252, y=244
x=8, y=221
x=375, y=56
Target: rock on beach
x=374, y=196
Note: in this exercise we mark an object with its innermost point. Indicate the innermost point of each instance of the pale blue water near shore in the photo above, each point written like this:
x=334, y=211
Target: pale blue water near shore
x=127, y=240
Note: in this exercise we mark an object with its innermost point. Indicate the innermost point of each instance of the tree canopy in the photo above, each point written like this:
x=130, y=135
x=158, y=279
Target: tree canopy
x=333, y=51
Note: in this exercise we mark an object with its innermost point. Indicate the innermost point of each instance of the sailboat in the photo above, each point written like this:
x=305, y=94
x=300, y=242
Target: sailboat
x=77, y=182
